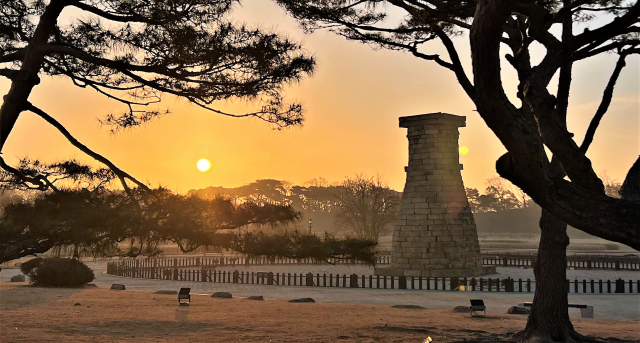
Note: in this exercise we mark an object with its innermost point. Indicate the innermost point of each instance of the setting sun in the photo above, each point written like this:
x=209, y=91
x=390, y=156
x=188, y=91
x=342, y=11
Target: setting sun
x=203, y=165
x=464, y=150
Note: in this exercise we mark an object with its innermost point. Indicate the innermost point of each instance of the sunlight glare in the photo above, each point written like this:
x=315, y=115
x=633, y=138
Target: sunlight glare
x=203, y=165
x=464, y=150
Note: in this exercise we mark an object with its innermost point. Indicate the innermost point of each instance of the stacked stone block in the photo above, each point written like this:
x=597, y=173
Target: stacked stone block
x=435, y=234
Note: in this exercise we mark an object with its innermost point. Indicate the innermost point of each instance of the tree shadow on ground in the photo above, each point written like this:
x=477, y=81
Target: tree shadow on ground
x=24, y=295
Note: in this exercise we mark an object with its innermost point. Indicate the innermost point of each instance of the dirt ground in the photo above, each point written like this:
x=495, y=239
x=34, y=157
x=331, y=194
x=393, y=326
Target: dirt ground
x=30, y=314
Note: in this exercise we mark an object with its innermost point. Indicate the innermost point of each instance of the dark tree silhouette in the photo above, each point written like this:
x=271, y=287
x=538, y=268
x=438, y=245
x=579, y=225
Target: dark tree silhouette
x=524, y=129
x=630, y=189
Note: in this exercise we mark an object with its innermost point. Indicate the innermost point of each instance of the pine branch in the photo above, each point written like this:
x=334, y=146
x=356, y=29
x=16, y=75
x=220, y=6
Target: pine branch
x=122, y=175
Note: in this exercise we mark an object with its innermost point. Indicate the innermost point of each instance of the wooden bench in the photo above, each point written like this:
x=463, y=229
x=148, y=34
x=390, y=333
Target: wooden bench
x=586, y=311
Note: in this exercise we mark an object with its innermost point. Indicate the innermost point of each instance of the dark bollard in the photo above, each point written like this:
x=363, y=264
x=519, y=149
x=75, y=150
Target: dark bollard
x=236, y=276
x=353, y=281
x=402, y=282
x=270, y=278
x=309, y=280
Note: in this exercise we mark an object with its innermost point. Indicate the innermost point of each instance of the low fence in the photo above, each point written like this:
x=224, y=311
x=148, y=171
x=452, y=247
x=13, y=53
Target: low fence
x=233, y=260
x=364, y=281
x=606, y=262
x=602, y=262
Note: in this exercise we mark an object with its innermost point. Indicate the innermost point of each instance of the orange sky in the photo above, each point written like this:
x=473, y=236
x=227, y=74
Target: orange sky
x=352, y=103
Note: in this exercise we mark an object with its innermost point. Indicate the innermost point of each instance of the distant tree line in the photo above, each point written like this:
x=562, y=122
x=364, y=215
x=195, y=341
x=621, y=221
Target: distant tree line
x=349, y=201
x=502, y=195
x=360, y=206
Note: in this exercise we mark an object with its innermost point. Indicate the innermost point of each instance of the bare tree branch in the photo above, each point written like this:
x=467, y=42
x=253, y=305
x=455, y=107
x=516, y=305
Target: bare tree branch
x=607, y=96
x=122, y=175
x=115, y=17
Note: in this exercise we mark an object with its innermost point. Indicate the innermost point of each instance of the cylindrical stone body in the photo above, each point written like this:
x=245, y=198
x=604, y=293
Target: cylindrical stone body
x=435, y=234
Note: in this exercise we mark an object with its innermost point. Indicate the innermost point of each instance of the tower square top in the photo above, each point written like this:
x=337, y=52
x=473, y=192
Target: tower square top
x=439, y=118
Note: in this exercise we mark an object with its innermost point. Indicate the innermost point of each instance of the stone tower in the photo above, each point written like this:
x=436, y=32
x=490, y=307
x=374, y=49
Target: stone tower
x=435, y=234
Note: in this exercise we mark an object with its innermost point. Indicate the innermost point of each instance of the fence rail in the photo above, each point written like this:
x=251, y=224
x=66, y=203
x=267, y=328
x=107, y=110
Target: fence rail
x=234, y=260
x=606, y=262
x=206, y=274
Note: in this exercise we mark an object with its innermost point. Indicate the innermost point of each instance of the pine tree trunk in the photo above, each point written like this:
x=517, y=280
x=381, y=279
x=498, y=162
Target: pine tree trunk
x=549, y=318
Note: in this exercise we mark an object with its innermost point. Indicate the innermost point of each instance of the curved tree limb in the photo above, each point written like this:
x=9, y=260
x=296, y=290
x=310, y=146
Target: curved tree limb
x=41, y=182
x=12, y=57
x=16, y=99
x=456, y=64
x=116, y=17
x=606, y=32
x=607, y=96
x=9, y=73
x=121, y=174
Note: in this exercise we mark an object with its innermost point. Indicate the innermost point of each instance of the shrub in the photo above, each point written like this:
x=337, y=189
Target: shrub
x=60, y=272
x=28, y=266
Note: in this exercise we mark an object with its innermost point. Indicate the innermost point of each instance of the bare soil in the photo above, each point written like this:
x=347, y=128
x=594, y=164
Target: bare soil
x=30, y=314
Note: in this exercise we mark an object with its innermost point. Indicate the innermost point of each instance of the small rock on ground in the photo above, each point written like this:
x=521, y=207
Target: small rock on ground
x=518, y=310
x=90, y=285
x=302, y=300
x=410, y=307
x=224, y=295
x=165, y=291
x=17, y=278
x=255, y=297
x=461, y=309
x=76, y=304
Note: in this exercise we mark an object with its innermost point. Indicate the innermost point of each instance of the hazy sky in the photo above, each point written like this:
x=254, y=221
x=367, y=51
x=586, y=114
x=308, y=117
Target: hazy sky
x=352, y=103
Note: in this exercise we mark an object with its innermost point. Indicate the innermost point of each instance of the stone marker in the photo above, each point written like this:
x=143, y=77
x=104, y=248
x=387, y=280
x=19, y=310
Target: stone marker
x=518, y=310
x=302, y=300
x=255, y=297
x=164, y=291
x=117, y=287
x=462, y=309
x=409, y=307
x=17, y=278
x=224, y=295
x=434, y=234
